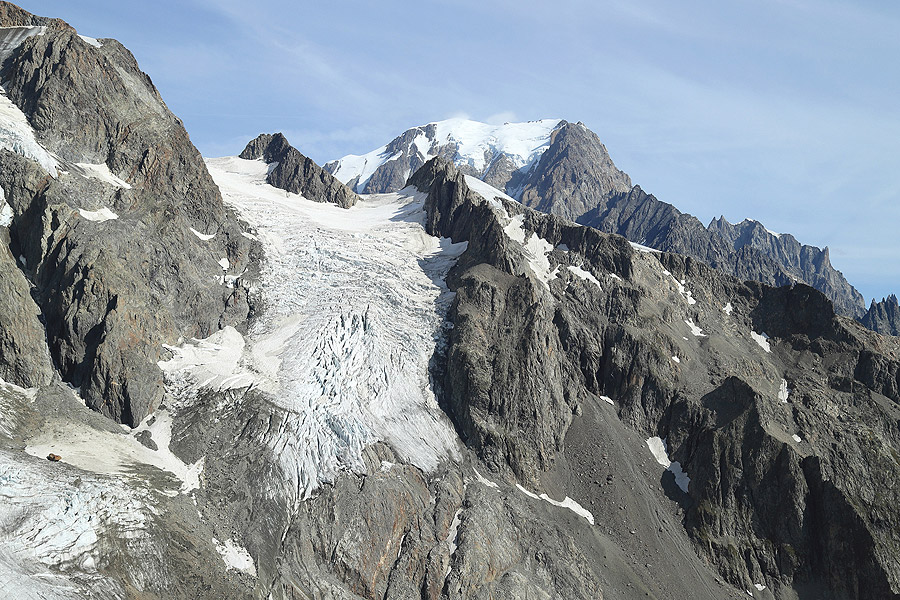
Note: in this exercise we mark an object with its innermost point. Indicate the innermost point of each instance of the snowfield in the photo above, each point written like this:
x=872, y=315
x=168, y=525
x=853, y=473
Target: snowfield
x=521, y=143
x=354, y=308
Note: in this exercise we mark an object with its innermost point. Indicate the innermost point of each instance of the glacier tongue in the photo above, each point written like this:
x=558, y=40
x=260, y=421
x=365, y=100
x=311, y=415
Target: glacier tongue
x=355, y=302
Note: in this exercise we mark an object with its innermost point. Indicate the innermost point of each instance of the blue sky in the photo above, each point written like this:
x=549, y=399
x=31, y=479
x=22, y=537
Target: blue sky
x=785, y=111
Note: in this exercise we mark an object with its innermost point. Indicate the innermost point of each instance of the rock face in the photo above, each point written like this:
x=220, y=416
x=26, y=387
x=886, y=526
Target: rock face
x=574, y=176
x=103, y=203
x=743, y=382
x=884, y=316
x=296, y=173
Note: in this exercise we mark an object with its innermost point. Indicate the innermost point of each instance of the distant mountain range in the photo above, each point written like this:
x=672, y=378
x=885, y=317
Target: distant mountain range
x=564, y=169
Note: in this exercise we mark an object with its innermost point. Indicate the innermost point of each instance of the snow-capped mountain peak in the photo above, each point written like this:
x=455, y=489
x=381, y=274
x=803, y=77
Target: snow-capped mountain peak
x=490, y=152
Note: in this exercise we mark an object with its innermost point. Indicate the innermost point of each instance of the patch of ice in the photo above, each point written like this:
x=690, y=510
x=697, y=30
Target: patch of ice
x=216, y=363
x=235, y=556
x=98, y=216
x=660, y=453
x=566, y=503
x=204, y=237
x=728, y=308
x=223, y=262
x=53, y=517
x=783, y=392
x=696, y=331
x=762, y=339
x=102, y=173
x=586, y=275
x=89, y=40
x=13, y=401
x=562, y=247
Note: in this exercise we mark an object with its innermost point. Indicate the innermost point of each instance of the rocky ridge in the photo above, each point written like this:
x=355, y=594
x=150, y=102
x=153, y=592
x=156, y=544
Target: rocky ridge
x=884, y=316
x=783, y=414
x=292, y=171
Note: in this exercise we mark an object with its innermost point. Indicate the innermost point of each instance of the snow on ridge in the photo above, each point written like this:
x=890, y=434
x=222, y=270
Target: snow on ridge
x=91, y=41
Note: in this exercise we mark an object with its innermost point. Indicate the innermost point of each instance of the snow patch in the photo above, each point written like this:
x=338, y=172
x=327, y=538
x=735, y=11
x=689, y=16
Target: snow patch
x=676, y=359
x=762, y=339
x=759, y=587
x=6, y=211
x=102, y=173
x=660, y=453
x=727, y=309
x=203, y=236
x=566, y=503
x=586, y=275
x=696, y=331
x=608, y=400
x=686, y=293
x=797, y=438
x=98, y=216
x=535, y=249
x=235, y=556
x=783, y=392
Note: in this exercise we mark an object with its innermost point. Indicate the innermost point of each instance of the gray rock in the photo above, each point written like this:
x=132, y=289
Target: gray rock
x=111, y=293
x=884, y=316
x=292, y=171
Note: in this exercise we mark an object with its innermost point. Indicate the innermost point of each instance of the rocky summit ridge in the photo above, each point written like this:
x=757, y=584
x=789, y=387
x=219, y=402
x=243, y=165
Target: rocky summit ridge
x=238, y=378
x=569, y=173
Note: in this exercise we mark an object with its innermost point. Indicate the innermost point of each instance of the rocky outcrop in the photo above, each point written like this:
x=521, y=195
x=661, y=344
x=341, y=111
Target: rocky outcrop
x=106, y=237
x=884, y=316
x=292, y=171
x=783, y=415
